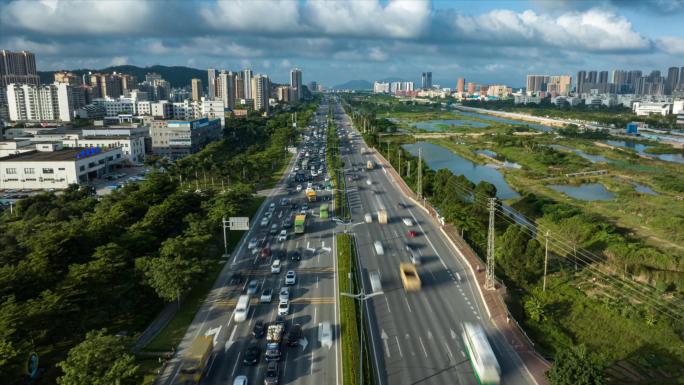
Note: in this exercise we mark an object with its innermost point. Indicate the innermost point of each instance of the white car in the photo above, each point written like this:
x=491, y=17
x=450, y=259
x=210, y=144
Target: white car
x=284, y=294
x=264, y=221
x=407, y=221
x=284, y=307
x=275, y=266
x=252, y=243
x=266, y=295
x=378, y=248
x=369, y=182
x=309, y=185
x=299, y=187
x=282, y=237
x=240, y=380
x=368, y=218
x=290, y=278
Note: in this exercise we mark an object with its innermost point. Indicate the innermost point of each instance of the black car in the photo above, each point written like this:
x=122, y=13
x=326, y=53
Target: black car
x=271, y=376
x=280, y=320
x=259, y=329
x=294, y=335
x=295, y=255
x=293, y=206
x=236, y=279
x=279, y=254
x=252, y=355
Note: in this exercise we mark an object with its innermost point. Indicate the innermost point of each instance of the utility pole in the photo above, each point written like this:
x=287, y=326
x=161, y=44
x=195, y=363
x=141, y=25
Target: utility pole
x=388, y=154
x=420, y=173
x=225, y=238
x=546, y=258
x=489, y=274
x=408, y=173
x=399, y=162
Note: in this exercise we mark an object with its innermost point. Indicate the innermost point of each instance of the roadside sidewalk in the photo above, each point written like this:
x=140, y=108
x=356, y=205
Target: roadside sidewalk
x=493, y=299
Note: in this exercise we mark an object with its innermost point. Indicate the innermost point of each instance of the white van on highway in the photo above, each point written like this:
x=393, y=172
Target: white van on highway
x=242, y=308
x=378, y=248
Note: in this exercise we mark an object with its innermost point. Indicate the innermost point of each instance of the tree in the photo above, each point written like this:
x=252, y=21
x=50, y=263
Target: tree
x=575, y=366
x=101, y=359
x=170, y=277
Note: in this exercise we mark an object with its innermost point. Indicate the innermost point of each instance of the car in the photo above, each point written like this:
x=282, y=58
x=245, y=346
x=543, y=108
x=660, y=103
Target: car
x=299, y=188
x=368, y=218
x=252, y=286
x=325, y=333
x=293, y=206
x=271, y=207
x=282, y=237
x=294, y=335
x=407, y=221
x=235, y=279
x=284, y=307
x=265, y=252
x=259, y=329
x=415, y=258
x=266, y=295
x=295, y=255
x=252, y=243
x=287, y=223
x=369, y=182
x=264, y=221
x=284, y=294
x=240, y=380
x=378, y=248
x=280, y=320
x=412, y=234
x=290, y=278
x=251, y=355
x=284, y=201
x=274, y=229
x=271, y=375
x=275, y=266
x=305, y=206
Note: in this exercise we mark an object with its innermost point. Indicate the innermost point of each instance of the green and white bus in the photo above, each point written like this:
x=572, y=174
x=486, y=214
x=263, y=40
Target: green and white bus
x=481, y=355
x=324, y=211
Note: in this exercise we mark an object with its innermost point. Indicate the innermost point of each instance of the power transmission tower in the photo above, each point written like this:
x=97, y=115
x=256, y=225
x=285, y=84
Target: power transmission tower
x=489, y=274
x=420, y=173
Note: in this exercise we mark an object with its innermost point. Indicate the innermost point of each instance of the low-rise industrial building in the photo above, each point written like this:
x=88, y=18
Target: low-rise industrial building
x=51, y=166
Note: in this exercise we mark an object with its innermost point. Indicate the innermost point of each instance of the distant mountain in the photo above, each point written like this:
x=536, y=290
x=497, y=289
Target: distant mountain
x=178, y=76
x=355, y=85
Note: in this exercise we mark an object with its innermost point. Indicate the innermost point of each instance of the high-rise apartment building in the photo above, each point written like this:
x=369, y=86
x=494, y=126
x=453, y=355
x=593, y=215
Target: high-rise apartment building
x=296, y=82
x=239, y=85
x=68, y=78
x=460, y=85
x=226, y=85
x=211, y=83
x=471, y=88
x=196, y=86
x=283, y=93
x=247, y=77
x=17, y=67
x=672, y=81
x=30, y=102
x=426, y=80
x=581, y=77
x=537, y=83
x=261, y=85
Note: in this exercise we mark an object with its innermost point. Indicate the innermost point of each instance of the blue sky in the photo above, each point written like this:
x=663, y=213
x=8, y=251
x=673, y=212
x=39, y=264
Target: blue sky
x=335, y=41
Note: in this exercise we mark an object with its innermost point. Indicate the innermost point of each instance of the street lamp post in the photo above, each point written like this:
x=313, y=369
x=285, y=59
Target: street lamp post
x=362, y=297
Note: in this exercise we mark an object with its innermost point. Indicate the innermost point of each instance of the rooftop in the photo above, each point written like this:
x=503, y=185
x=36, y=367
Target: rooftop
x=66, y=154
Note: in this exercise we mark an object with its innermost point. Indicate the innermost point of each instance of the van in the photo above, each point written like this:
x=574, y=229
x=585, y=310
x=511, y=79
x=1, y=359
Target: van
x=368, y=218
x=378, y=248
x=242, y=308
x=325, y=334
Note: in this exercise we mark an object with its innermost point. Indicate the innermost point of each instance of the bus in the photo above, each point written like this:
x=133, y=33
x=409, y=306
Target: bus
x=196, y=359
x=299, y=223
x=324, y=211
x=482, y=358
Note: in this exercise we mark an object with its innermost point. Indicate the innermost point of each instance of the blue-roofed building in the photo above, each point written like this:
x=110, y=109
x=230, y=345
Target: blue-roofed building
x=633, y=128
x=174, y=139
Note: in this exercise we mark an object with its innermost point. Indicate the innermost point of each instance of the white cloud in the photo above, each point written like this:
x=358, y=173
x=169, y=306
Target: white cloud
x=376, y=54
x=593, y=30
x=673, y=45
x=253, y=15
x=369, y=18
x=77, y=17
x=119, y=61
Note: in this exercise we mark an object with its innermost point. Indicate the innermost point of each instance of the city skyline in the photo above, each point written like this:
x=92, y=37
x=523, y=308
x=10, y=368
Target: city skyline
x=489, y=42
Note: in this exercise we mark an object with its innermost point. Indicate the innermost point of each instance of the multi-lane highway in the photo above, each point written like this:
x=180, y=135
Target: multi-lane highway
x=416, y=336
x=312, y=298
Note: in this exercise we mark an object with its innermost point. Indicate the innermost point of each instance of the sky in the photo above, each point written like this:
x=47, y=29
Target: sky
x=485, y=41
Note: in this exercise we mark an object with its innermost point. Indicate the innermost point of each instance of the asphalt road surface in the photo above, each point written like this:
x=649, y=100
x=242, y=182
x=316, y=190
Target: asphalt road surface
x=312, y=299
x=416, y=336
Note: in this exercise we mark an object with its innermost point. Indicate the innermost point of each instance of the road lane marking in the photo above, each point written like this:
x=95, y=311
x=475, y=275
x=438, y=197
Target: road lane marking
x=384, y=338
x=453, y=334
x=232, y=373
x=423, y=346
x=399, y=346
x=316, y=281
x=387, y=302
x=451, y=356
x=230, y=341
x=407, y=305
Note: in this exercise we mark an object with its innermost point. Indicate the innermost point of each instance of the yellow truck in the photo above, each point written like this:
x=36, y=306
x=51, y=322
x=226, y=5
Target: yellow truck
x=311, y=195
x=409, y=276
x=382, y=217
x=196, y=359
x=370, y=165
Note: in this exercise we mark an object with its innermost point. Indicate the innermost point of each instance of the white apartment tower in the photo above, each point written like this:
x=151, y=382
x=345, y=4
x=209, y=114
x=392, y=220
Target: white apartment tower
x=247, y=77
x=226, y=86
x=211, y=83
x=262, y=91
x=296, y=82
x=29, y=102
